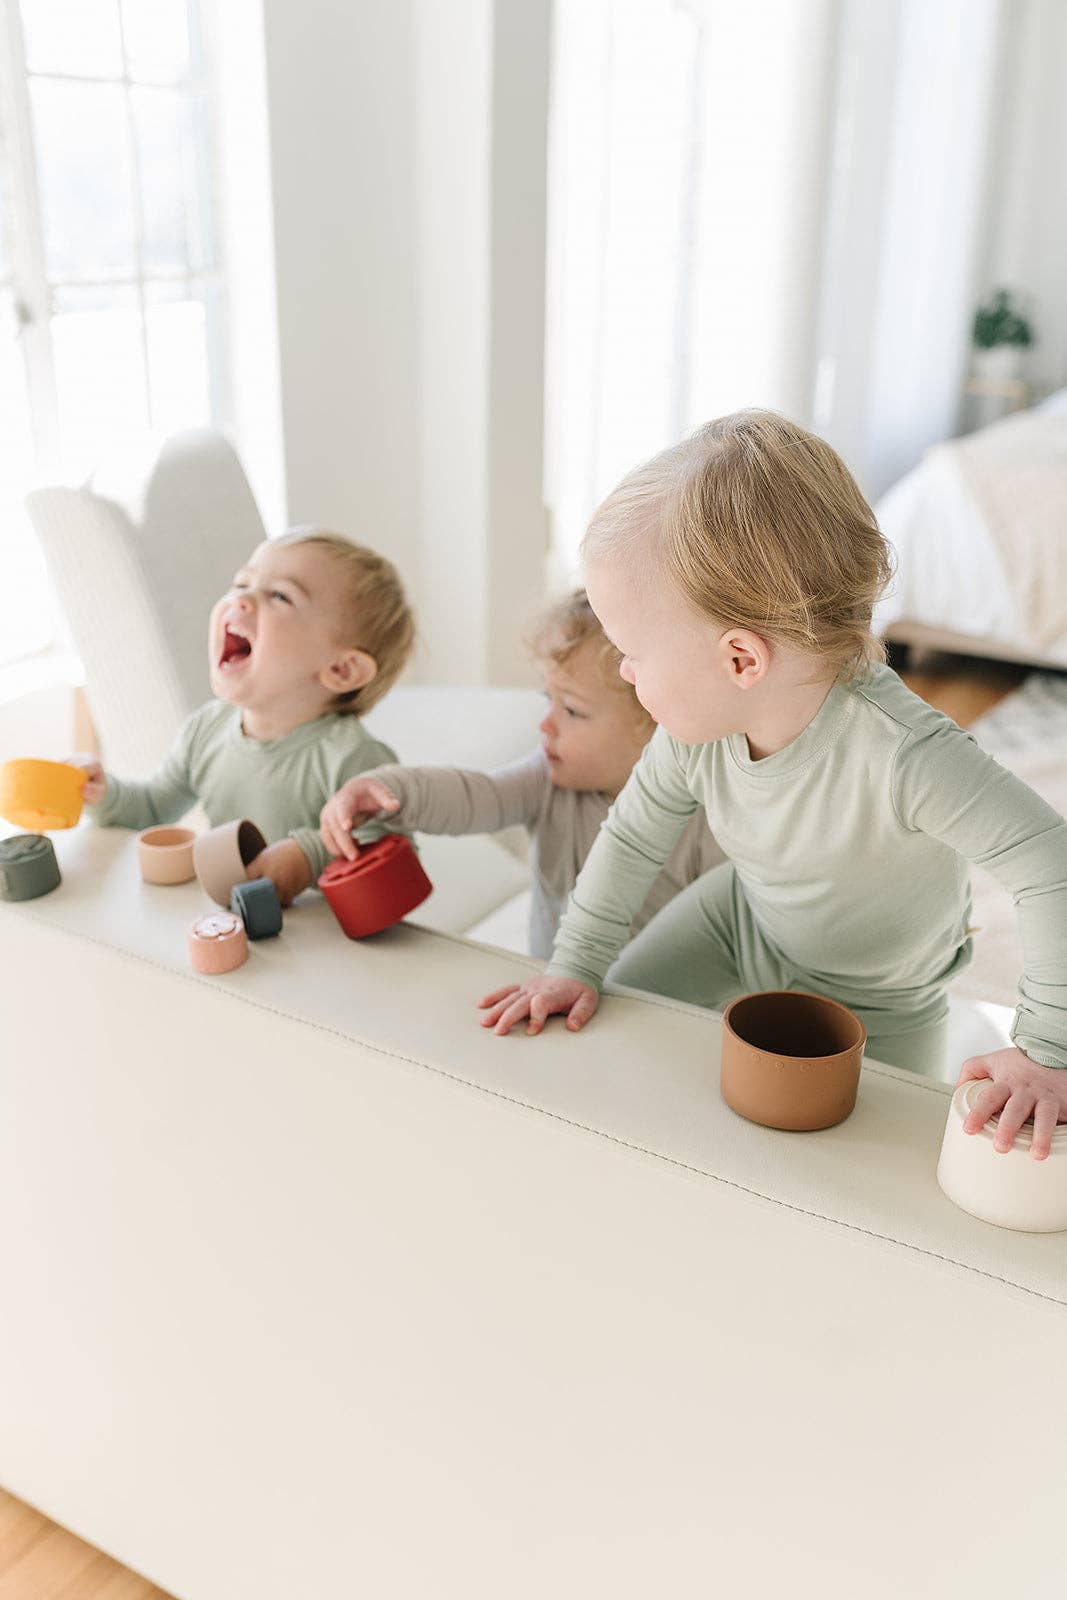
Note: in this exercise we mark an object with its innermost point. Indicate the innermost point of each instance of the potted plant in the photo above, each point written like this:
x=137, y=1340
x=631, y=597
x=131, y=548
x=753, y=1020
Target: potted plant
x=1001, y=333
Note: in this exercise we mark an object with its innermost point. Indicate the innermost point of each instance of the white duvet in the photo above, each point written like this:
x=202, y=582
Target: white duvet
x=980, y=534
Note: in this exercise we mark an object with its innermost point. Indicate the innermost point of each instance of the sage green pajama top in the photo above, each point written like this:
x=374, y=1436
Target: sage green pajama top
x=279, y=784
x=847, y=872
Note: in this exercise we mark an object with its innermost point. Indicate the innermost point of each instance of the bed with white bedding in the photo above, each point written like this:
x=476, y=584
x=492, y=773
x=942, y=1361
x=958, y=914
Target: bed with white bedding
x=979, y=528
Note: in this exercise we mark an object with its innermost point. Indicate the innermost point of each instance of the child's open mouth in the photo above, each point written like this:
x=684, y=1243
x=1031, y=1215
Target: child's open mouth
x=236, y=650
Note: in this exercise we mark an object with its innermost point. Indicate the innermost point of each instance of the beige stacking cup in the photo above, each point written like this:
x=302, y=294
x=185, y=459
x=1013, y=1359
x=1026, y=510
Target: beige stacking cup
x=791, y=1060
x=166, y=855
x=1009, y=1188
x=221, y=857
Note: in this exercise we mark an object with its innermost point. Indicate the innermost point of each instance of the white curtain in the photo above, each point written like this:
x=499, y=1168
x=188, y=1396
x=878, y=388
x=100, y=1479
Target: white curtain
x=782, y=203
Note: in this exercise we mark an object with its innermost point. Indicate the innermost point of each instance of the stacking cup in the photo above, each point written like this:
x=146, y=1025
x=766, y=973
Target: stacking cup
x=383, y=884
x=28, y=867
x=41, y=795
x=791, y=1060
x=221, y=857
x=1008, y=1188
x=166, y=855
x=217, y=943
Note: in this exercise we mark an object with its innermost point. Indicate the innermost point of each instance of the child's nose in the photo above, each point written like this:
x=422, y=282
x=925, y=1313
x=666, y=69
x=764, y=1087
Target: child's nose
x=547, y=725
x=626, y=671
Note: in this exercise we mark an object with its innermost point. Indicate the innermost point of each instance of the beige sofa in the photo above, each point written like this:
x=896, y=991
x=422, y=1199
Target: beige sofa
x=313, y=1288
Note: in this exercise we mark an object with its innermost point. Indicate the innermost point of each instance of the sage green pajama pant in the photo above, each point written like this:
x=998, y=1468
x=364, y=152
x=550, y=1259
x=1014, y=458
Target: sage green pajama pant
x=706, y=948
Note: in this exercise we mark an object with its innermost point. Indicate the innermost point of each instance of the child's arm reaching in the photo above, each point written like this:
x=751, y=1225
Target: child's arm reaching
x=635, y=840
x=436, y=800
x=123, y=803
x=951, y=789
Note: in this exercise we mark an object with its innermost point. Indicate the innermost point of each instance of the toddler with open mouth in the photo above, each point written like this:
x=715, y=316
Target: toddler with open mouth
x=311, y=633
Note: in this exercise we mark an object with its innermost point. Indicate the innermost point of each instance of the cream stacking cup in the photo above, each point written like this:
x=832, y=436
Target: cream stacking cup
x=1011, y=1190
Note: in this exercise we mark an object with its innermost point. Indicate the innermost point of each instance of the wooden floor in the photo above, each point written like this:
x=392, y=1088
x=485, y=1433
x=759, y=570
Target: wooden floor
x=39, y=1561
x=963, y=687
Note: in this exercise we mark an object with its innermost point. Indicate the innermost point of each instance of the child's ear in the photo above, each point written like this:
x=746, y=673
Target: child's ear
x=353, y=670
x=745, y=657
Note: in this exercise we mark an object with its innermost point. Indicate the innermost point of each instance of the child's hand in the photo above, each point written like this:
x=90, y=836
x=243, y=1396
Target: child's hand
x=539, y=998
x=1019, y=1088
x=287, y=867
x=357, y=800
x=96, y=779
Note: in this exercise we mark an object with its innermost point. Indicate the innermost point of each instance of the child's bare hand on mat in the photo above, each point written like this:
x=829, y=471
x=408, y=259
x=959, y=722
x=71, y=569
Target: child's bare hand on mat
x=538, y=999
x=1018, y=1089
x=355, y=802
x=287, y=867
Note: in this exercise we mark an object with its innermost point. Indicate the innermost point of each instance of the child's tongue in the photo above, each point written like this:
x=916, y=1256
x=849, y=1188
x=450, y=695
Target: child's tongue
x=234, y=646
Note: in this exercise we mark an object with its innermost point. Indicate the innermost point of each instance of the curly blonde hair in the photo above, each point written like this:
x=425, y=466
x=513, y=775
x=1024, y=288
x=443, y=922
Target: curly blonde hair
x=758, y=524
x=567, y=625
x=375, y=613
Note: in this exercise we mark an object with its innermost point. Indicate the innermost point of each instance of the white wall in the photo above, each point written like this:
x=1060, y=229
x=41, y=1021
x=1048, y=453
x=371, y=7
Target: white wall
x=407, y=174
x=1026, y=226
x=246, y=242
x=340, y=97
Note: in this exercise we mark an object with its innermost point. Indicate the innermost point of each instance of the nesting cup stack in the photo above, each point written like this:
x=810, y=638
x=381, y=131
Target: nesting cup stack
x=1008, y=1188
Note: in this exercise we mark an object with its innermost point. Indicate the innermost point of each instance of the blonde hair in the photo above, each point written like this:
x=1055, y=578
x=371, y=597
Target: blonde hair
x=375, y=615
x=565, y=627
x=759, y=524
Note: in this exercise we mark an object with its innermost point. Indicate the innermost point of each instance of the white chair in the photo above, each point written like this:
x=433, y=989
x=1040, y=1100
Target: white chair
x=137, y=556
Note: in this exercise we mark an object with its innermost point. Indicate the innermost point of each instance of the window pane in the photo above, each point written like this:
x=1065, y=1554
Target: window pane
x=83, y=165
x=177, y=362
x=77, y=36
x=156, y=34
x=99, y=357
x=26, y=621
x=16, y=439
x=164, y=154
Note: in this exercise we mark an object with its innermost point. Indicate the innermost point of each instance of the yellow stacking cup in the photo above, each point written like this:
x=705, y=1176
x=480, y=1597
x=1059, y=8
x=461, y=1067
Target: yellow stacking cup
x=41, y=795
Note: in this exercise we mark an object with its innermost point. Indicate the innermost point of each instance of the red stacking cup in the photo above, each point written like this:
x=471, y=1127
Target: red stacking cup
x=383, y=884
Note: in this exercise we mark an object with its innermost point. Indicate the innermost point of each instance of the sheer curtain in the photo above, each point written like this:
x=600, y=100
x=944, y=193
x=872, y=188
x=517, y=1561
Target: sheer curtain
x=780, y=203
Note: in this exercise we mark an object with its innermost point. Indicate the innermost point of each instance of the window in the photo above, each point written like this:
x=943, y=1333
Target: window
x=110, y=294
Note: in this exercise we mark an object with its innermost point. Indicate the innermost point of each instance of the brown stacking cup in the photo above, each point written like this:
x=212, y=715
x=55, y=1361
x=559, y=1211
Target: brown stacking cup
x=791, y=1060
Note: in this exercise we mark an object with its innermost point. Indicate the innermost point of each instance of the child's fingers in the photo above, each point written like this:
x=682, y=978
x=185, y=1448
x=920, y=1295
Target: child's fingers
x=1046, y=1115
x=383, y=798
x=989, y=1102
x=975, y=1068
x=346, y=845
x=337, y=839
x=581, y=1011
x=494, y=1013
x=1019, y=1106
x=541, y=1009
x=497, y=995
x=515, y=1012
